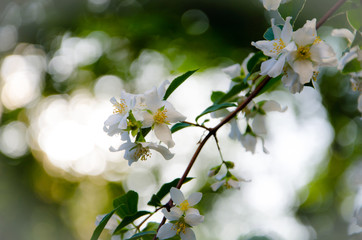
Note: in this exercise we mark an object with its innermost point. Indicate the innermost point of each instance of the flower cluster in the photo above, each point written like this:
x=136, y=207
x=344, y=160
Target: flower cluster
x=182, y=217
x=295, y=54
x=136, y=115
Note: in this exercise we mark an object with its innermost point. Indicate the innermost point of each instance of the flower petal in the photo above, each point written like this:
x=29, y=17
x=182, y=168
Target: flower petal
x=272, y=105
x=188, y=235
x=258, y=124
x=172, y=114
x=323, y=54
x=233, y=70
x=305, y=69
x=113, y=119
x=194, y=198
x=177, y=196
x=287, y=32
x=161, y=149
x=163, y=133
x=217, y=185
x=307, y=34
x=172, y=215
x=271, y=4
x=194, y=219
x=166, y=231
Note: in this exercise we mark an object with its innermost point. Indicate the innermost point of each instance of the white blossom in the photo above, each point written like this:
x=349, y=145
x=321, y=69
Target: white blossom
x=311, y=53
x=159, y=115
x=141, y=150
x=277, y=49
x=184, y=204
x=118, y=120
x=182, y=217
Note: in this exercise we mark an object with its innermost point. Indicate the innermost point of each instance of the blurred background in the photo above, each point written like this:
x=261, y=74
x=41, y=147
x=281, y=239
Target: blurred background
x=61, y=62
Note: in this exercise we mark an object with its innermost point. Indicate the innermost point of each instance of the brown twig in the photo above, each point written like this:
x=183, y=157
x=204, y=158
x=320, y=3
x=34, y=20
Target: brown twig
x=329, y=13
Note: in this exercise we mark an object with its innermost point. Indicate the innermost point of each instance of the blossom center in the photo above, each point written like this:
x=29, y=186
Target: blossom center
x=120, y=107
x=184, y=206
x=142, y=153
x=160, y=116
x=278, y=46
x=179, y=227
x=303, y=52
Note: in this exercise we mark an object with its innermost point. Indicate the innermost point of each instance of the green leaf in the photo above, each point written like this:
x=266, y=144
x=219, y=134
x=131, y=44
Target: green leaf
x=127, y=204
x=177, y=82
x=269, y=34
x=97, y=232
x=357, y=41
x=142, y=235
x=179, y=126
x=352, y=66
x=142, y=134
x=164, y=190
x=235, y=90
x=272, y=83
x=255, y=61
x=216, y=95
x=214, y=108
x=292, y=9
x=354, y=17
x=129, y=219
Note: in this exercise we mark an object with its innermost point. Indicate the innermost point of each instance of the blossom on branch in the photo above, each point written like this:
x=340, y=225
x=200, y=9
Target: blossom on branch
x=277, y=49
x=141, y=150
x=159, y=115
x=182, y=218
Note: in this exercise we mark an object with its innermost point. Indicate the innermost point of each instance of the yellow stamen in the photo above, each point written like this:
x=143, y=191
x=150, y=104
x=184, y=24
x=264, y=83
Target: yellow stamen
x=278, y=46
x=303, y=52
x=160, y=116
x=184, y=206
x=179, y=227
x=120, y=107
x=142, y=153
x=317, y=40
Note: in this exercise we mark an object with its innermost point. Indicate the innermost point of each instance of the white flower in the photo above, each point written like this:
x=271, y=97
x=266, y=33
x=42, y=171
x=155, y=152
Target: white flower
x=311, y=52
x=181, y=221
x=272, y=4
x=118, y=120
x=141, y=150
x=184, y=204
x=159, y=115
x=277, y=49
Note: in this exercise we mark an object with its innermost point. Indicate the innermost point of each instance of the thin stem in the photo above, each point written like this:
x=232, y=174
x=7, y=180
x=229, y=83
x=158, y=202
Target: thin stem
x=329, y=13
x=150, y=215
x=196, y=125
x=218, y=148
